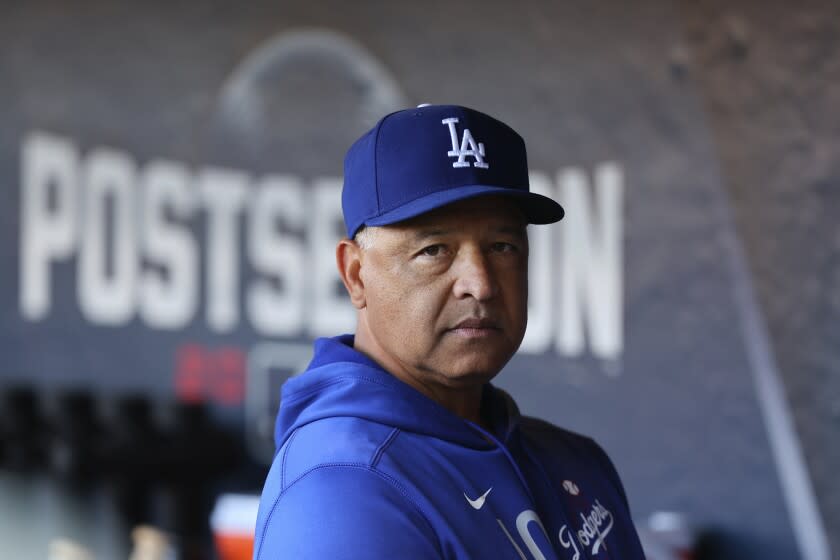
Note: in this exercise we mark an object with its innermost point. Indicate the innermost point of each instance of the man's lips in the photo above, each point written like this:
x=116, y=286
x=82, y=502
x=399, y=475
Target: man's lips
x=477, y=324
x=475, y=327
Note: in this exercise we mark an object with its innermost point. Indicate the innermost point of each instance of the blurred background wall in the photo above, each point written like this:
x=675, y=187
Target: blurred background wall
x=171, y=176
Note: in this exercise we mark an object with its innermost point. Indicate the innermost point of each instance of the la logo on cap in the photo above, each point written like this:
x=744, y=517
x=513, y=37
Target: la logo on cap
x=468, y=147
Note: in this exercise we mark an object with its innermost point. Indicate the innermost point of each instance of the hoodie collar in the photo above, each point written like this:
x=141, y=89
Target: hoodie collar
x=342, y=382
x=339, y=349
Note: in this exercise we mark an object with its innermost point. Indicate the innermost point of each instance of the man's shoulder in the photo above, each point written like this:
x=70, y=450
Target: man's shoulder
x=330, y=441
x=547, y=434
x=560, y=444
x=325, y=478
x=578, y=453
x=343, y=511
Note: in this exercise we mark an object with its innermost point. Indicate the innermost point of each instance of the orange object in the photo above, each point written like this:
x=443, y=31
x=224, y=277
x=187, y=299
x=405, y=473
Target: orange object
x=233, y=519
x=234, y=546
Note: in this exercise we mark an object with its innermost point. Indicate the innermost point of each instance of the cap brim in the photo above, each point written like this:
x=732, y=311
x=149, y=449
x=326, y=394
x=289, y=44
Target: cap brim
x=538, y=209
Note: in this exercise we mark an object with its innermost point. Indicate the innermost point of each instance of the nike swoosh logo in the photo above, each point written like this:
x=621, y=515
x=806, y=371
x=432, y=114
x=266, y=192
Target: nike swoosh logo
x=478, y=503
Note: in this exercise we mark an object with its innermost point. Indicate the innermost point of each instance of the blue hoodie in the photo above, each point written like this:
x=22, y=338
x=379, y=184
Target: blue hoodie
x=369, y=468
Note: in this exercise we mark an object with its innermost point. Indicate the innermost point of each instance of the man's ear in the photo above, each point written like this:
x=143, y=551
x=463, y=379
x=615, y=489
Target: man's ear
x=348, y=257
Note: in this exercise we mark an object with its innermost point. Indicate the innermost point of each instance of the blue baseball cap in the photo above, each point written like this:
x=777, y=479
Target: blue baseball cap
x=417, y=160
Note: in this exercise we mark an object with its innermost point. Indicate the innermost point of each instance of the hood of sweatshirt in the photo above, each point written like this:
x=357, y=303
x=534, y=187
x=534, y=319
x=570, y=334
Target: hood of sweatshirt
x=341, y=381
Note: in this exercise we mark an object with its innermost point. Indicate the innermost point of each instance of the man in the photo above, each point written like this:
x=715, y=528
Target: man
x=393, y=443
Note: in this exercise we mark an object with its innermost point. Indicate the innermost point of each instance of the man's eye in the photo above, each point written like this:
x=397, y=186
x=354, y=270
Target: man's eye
x=502, y=247
x=432, y=250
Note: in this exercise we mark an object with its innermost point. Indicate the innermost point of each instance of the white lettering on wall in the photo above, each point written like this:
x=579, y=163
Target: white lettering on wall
x=169, y=289
x=575, y=277
x=140, y=250
x=276, y=302
x=591, y=282
x=223, y=193
x=107, y=265
x=47, y=233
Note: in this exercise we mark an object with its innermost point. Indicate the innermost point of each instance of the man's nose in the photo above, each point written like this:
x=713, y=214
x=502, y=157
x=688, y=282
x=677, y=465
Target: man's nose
x=474, y=276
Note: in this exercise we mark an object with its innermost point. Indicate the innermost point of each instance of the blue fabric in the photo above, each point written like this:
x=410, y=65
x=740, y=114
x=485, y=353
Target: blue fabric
x=406, y=166
x=367, y=468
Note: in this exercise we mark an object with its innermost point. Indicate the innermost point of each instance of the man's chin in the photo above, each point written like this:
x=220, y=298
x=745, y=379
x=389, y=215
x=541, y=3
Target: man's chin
x=471, y=374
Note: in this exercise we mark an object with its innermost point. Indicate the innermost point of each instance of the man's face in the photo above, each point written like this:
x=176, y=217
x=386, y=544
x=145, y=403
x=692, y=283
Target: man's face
x=446, y=293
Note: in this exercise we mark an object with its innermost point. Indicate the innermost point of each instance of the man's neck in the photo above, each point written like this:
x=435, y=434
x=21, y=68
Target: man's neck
x=463, y=402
